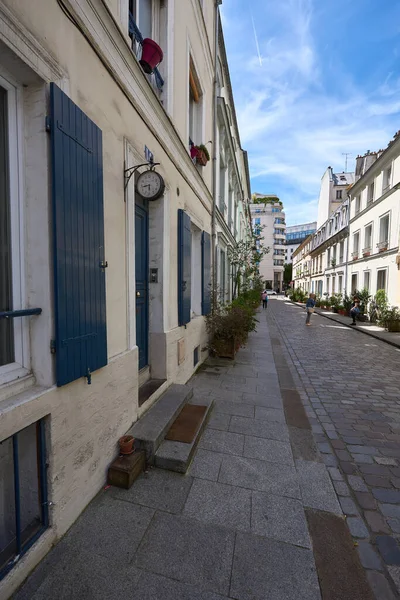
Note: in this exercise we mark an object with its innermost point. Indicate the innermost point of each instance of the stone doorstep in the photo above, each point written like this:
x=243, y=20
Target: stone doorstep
x=150, y=430
x=177, y=456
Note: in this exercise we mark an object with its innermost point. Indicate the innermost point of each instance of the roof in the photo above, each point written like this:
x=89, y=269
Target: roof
x=343, y=178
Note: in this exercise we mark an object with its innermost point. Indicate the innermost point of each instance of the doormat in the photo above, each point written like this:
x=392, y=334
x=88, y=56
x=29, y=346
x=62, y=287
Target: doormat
x=186, y=425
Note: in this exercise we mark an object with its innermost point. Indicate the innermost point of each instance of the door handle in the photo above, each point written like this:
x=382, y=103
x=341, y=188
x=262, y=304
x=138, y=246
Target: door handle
x=103, y=264
x=137, y=294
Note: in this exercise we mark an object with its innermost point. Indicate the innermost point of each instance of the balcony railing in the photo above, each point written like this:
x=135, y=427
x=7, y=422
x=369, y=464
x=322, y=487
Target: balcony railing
x=137, y=42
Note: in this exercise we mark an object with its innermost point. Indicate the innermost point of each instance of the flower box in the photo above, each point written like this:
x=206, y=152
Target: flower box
x=393, y=326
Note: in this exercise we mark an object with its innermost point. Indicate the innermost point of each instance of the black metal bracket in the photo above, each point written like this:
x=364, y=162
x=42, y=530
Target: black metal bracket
x=27, y=312
x=129, y=172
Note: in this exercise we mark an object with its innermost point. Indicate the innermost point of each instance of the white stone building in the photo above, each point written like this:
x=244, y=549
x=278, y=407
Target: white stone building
x=333, y=191
x=374, y=258
x=113, y=283
x=268, y=213
x=295, y=235
x=302, y=265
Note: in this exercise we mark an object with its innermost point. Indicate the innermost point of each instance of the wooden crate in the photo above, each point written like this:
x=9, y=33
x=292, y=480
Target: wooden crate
x=125, y=469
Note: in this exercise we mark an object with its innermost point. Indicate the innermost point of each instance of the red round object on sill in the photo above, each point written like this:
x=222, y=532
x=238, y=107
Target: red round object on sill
x=152, y=55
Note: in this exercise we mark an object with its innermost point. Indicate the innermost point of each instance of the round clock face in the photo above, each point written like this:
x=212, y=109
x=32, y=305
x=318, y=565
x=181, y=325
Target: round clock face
x=150, y=185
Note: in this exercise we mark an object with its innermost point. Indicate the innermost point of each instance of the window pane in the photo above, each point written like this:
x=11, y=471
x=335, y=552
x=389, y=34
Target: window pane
x=381, y=281
x=145, y=18
x=29, y=482
x=6, y=325
x=7, y=505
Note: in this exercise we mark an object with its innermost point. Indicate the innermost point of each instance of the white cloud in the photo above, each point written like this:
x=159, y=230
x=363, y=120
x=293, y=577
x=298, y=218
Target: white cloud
x=293, y=120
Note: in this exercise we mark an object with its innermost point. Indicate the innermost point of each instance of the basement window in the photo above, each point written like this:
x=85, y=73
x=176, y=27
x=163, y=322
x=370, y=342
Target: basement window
x=23, y=498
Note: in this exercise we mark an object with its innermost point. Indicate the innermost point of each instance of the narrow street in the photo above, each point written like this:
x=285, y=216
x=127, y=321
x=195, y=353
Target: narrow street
x=305, y=430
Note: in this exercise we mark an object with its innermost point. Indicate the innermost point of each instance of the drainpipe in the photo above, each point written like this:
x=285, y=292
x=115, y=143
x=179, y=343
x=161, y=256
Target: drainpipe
x=215, y=149
x=347, y=248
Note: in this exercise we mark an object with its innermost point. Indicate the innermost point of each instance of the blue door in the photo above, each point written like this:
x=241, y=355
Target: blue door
x=142, y=264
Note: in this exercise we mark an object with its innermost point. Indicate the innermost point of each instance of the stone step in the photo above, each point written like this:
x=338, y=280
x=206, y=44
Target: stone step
x=177, y=456
x=150, y=430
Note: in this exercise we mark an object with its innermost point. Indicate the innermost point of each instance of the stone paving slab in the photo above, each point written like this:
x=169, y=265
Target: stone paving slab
x=222, y=441
x=156, y=587
x=219, y=504
x=256, y=428
x=269, y=450
x=188, y=551
x=273, y=415
x=206, y=465
x=234, y=408
x=264, y=568
x=158, y=489
x=316, y=487
x=280, y=518
x=260, y=475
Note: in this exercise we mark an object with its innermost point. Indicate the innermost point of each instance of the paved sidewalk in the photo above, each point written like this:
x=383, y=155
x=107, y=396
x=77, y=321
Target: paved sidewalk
x=371, y=329
x=255, y=518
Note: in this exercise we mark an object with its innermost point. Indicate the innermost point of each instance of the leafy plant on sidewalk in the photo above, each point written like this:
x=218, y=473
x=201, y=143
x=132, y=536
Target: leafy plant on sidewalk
x=390, y=318
x=245, y=259
x=365, y=297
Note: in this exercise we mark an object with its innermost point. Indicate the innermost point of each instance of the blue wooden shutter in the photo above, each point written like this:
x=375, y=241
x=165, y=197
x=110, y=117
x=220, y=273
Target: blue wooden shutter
x=205, y=273
x=184, y=267
x=78, y=218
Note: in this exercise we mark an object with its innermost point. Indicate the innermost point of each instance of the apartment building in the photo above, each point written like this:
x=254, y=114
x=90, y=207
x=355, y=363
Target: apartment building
x=295, y=236
x=333, y=191
x=106, y=245
x=267, y=213
x=302, y=265
x=374, y=259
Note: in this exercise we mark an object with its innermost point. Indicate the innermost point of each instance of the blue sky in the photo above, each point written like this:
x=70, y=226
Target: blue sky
x=312, y=79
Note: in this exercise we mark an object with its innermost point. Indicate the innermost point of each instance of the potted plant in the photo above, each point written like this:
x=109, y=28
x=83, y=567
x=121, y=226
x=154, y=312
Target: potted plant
x=126, y=444
x=335, y=300
x=152, y=55
x=342, y=310
x=390, y=319
x=200, y=154
x=347, y=302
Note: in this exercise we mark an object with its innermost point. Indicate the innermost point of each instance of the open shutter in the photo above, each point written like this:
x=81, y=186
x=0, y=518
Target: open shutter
x=205, y=273
x=184, y=267
x=78, y=217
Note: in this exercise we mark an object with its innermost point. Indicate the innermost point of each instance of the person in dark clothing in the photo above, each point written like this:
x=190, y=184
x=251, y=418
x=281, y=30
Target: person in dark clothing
x=310, y=308
x=355, y=311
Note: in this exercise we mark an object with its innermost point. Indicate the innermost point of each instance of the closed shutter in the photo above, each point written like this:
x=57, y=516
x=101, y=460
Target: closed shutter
x=205, y=273
x=184, y=267
x=78, y=217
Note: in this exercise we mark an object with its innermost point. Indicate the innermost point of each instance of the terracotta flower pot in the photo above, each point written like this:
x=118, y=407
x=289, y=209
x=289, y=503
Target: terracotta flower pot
x=152, y=55
x=126, y=444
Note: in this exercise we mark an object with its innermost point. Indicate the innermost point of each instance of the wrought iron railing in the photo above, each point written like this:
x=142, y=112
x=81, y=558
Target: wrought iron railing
x=137, y=44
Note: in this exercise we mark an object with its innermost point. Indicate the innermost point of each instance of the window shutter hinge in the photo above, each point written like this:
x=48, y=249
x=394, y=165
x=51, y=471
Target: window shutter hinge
x=53, y=346
x=48, y=123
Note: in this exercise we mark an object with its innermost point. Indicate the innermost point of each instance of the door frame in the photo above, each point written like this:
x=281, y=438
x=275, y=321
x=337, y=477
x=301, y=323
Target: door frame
x=142, y=205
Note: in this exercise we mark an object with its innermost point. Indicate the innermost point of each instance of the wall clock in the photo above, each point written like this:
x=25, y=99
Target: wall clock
x=150, y=185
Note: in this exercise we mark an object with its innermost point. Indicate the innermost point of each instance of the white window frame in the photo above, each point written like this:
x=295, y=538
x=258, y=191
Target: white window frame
x=357, y=206
x=21, y=365
x=368, y=272
x=387, y=180
x=356, y=233
x=371, y=197
x=388, y=230
x=370, y=245
x=196, y=265
x=385, y=269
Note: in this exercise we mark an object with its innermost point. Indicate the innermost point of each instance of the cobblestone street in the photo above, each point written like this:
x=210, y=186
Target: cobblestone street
x=350, y=385
x=259, y=516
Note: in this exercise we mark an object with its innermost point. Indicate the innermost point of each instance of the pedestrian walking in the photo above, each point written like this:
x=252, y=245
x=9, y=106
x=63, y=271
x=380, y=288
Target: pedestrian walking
x=264, y=298
x=310, y=308
x=355, y=311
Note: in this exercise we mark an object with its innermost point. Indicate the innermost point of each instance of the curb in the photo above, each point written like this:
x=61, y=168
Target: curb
x=370, y=333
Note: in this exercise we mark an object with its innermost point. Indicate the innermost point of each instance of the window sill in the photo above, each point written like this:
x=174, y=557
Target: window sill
x=12, y=372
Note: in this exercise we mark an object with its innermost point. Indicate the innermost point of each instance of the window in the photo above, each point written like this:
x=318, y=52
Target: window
x=222, y=180
x=222, y=276
x=23, y=501
x=381, y=280
x=333, y=284
x=328, y=257
x=340, y=284
x=387, y=177
x=357, y=205
x=341, y=252
x=195, y=106
x=12, y=331
x=371, y=192
x=367, y=279
x=356, y=244
x=339, y=194
x=368, y=238
x=384, y=231
x=354, y=279
x=334, y=254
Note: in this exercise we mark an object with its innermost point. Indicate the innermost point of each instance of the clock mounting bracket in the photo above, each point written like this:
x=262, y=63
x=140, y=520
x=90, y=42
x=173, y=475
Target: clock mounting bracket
x=129, y=172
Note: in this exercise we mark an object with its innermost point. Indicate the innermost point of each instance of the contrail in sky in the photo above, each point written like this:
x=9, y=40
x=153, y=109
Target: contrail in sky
x=256, y=38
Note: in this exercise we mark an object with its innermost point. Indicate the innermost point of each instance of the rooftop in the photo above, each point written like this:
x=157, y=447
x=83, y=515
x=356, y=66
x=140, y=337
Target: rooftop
x=343, y=178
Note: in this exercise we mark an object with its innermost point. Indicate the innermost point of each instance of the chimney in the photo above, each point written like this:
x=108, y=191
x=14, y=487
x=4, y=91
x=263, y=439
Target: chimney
x=363, y=163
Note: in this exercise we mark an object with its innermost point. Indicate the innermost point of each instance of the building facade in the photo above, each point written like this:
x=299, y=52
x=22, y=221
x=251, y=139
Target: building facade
x=295, y=235
x=302, y=265
x=333, y=191
x=267, y=212
x=106, y=239
x=375, y=223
